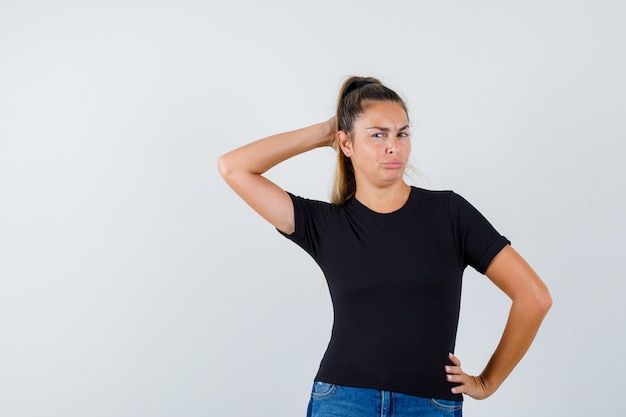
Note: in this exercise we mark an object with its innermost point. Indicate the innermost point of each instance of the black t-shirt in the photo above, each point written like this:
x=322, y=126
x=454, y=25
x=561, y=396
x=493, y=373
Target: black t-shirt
x=395, y=284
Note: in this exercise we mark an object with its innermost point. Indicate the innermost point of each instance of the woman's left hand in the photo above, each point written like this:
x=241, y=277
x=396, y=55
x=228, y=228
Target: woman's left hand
x=474, y=386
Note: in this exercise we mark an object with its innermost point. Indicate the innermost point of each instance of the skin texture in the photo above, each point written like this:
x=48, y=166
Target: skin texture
x=379, y=147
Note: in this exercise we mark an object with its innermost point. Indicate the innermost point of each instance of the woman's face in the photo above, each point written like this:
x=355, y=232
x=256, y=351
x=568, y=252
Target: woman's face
x=379, y=145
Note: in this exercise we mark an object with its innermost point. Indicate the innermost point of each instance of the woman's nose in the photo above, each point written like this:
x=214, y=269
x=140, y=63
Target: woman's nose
x=392, y=145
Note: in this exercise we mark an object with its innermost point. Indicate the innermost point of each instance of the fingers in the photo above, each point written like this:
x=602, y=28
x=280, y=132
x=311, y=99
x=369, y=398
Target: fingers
x=453, y=371
x=466, y=383
x=454, y=359
x=455, y=374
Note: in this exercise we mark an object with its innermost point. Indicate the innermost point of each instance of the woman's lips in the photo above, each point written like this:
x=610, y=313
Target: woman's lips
x=393, y=165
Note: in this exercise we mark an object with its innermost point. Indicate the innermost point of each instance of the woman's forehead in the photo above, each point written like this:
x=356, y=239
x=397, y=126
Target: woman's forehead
x=383, y=114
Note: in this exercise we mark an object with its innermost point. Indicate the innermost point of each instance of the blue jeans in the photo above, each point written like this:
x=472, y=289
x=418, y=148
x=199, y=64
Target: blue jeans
x=329, y=400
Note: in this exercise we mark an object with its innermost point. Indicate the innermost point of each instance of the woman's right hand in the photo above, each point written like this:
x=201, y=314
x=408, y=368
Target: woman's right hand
x=474, y=386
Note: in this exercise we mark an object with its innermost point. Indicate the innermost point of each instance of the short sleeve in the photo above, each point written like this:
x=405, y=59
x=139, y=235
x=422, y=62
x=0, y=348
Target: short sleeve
x=477, y=241
x=311, y=222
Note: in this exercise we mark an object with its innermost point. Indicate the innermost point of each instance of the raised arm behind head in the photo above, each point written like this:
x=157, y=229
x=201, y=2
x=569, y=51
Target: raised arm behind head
x=243, y=170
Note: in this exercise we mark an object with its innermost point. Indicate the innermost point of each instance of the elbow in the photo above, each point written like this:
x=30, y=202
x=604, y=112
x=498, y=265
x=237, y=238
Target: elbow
x=543, y=301
x=223, y=166
x=547, y=301
x=231, y=165
x=535, y=303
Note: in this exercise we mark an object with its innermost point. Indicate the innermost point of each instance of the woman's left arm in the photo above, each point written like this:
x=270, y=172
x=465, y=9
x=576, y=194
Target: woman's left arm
x=531, y=301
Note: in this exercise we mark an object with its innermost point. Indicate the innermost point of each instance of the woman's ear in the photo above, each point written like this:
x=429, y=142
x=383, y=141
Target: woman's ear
x=345, y=143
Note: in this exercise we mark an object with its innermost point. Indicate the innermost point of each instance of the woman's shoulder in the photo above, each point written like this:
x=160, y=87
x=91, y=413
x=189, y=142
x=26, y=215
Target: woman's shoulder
x=441, y=199
x=308, y=201
x=433, y=194
x=312, y=206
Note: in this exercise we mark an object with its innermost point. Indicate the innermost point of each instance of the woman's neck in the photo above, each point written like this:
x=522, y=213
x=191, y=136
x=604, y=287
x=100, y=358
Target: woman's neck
x=383, y=200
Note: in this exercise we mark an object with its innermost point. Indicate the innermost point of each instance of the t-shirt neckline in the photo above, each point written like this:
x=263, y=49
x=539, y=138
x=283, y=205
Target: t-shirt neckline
x=408, y=205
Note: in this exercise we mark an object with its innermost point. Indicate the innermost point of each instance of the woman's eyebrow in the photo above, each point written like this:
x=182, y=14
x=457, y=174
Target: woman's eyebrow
x=386, y=129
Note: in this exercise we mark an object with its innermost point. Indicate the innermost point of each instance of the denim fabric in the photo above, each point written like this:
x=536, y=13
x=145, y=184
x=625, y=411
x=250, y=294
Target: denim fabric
x=329, y=400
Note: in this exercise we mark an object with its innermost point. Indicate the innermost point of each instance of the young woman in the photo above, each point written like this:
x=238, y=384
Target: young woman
x=393, y=256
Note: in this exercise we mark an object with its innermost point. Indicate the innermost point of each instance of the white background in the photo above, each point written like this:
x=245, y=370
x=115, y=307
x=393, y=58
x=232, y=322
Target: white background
x=133, y=282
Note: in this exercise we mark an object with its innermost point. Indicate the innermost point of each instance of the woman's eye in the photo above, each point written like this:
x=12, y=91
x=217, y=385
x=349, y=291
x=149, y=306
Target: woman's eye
x=378, y=135
x=403, y=134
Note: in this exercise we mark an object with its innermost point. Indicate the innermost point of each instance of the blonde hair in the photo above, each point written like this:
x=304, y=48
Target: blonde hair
x=354, y=95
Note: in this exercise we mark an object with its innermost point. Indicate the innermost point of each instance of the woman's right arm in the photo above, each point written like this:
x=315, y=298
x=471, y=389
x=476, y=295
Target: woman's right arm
x=243, y=170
